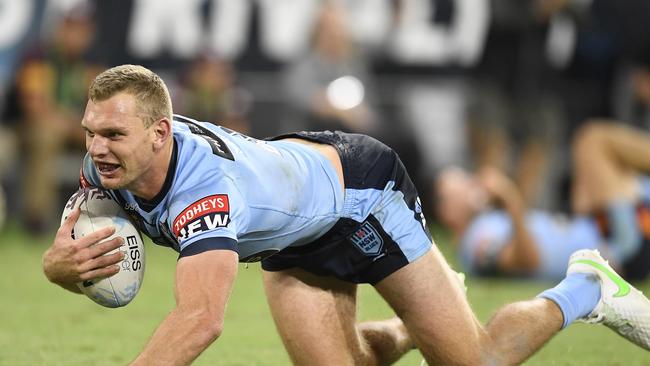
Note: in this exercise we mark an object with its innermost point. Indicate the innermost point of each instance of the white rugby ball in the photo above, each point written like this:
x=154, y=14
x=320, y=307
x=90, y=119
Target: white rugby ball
x=99, y=210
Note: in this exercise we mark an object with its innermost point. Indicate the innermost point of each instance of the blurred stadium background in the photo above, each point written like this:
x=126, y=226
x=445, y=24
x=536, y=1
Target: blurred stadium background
x=466, y=82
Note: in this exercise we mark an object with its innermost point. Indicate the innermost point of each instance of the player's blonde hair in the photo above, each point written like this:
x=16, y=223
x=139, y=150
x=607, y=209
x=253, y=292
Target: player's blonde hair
x=150, y=91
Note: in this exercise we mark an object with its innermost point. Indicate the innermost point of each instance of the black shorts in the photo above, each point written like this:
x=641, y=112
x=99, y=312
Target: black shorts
x=382, y=229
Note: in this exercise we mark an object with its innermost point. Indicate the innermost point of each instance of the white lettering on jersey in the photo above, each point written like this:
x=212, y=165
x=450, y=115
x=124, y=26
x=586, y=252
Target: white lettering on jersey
x=216, y=221
x=208, y=213
x=205, y=223
x=193, y=227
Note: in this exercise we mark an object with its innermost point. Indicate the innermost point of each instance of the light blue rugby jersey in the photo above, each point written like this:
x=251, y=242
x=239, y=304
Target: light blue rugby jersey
x=556, y=238
x=228, y=190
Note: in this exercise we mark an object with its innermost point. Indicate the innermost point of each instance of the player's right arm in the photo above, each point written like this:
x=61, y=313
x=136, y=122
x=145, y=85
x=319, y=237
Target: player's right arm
x=69, y=261
x=204, y=282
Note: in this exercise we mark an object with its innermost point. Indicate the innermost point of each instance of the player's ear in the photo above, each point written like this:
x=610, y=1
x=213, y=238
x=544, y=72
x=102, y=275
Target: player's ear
x=162, y=130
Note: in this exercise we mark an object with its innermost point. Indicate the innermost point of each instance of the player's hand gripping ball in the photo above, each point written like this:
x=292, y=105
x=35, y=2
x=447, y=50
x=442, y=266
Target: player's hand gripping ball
x=99, y=210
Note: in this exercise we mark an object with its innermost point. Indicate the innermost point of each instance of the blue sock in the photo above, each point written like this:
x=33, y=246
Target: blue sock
x=577, y=295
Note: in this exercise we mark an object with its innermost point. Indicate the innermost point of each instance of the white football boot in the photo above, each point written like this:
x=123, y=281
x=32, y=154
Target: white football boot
x=621, y=307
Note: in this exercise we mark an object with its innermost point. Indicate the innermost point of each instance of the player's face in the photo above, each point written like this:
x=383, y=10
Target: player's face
x=121, y=147
x=455, y=192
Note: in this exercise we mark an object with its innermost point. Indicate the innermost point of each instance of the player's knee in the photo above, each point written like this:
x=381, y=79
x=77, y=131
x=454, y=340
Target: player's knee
x=592, y=135
x=594, y=130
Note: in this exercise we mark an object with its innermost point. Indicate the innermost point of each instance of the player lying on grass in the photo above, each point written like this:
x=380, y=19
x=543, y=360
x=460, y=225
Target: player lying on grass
x=323, y=212
x=611, y=195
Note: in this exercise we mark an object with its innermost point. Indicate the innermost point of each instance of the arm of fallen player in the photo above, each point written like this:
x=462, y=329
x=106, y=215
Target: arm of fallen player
x=69, y=260
x=520, y=255
x=203, y=285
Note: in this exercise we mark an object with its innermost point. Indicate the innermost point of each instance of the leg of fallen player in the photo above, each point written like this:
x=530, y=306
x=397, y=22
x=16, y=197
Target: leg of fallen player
x=608, y=157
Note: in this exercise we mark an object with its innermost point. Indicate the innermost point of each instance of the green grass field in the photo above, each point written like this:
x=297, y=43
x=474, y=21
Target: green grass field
x=41, y=324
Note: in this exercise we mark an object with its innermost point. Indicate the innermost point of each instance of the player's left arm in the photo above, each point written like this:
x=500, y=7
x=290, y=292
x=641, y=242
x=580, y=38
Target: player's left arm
x=203, y=285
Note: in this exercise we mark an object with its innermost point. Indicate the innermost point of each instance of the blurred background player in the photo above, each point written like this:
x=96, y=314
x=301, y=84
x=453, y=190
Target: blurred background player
x=496, y=232
x=50, y=90
x=510, y=238
x=515, y=117
x=329, y=87
x=208, y=90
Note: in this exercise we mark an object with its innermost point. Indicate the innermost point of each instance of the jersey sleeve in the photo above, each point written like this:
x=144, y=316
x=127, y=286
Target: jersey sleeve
x=208, y=217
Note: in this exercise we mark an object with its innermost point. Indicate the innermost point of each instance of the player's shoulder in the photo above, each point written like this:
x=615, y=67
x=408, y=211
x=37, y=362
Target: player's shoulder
x=185, y=124
x=207, y=137
x=200, y=174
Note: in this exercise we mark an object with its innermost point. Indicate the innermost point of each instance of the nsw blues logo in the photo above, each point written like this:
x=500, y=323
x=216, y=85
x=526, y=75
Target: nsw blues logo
x=367, y=239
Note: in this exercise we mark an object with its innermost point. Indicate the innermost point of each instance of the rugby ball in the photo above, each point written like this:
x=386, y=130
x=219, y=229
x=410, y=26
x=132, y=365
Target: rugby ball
x=99, y=210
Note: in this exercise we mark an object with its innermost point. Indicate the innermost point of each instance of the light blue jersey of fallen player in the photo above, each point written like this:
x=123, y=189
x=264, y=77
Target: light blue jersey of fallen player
x=225, y=190
x=556, y=239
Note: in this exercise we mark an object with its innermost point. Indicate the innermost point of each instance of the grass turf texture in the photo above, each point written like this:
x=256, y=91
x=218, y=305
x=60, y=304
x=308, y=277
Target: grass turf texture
x=41, y=324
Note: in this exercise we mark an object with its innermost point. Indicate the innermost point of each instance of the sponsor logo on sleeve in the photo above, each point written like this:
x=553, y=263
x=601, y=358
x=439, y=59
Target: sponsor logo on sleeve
x=208, y=213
